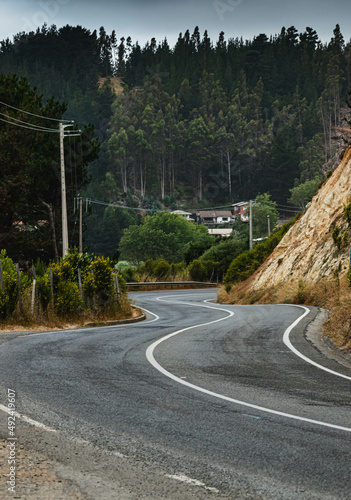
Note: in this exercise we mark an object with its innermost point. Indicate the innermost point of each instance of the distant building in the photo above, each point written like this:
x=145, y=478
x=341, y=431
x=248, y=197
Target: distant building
x=184, y=214
x=214, y=216
x=225, y=233
x=241, y=210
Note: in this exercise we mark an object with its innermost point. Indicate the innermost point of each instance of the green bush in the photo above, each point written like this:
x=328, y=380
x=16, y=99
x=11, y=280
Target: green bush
x=224, y=252
x=98, y=286
x=98, y=283
x=9, y=294
x=44, y=291
x=213, y=269
x=162, y=269
x=78, y=261
x=68, y=301
x=243, y=266
x=347, y=212
x=177, y=267
x=337, y=237
x=197, y=270
x=129, y=274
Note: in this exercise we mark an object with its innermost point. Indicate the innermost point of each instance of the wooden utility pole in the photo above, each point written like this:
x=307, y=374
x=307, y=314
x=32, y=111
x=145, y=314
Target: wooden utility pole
x=63, y=196
x=251, y=245
x=81, y=226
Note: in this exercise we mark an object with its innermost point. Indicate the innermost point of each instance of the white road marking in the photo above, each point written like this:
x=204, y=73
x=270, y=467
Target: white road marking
x=185, y=479
x=80, y=330
x=286, y=340
x=35, y=423
x=155, y=364
x=28, y=420
x=153, y=314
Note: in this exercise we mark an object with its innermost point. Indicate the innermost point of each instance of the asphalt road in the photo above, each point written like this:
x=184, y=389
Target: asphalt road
x=221, y=408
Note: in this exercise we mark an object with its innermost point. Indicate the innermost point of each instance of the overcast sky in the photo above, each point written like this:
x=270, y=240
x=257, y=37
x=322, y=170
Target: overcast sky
x=143, y=19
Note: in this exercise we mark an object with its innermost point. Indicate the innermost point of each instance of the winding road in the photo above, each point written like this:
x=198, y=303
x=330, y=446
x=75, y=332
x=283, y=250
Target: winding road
x=202, y=400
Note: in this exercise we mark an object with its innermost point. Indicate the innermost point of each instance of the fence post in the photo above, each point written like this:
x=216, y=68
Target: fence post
x=1, y=278
x=117, y=285
x=36, y=292
x=93, y=278
x=52, y=287
x=33, y=297
x=19, y=289
x=80, y=284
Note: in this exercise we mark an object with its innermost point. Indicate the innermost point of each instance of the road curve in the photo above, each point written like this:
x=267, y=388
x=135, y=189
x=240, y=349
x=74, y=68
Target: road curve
x=200, y=400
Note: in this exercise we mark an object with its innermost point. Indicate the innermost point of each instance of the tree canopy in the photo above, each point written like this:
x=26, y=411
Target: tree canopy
x=262, y=209
x=163, y=235
x=203, y=123
x=30, y=184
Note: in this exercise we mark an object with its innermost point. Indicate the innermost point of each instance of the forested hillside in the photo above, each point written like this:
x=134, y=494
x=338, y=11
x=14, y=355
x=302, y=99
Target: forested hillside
x=202, y=123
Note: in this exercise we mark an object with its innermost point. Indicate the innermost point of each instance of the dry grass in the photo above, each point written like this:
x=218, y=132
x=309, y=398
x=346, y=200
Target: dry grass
x=332, y=294
x=51, y=321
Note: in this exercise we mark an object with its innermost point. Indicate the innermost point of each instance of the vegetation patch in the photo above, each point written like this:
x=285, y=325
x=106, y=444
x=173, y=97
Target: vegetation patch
x=247, y=263
x=77, y=289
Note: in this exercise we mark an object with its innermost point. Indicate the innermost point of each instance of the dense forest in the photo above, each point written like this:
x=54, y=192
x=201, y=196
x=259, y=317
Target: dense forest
x=203, y=123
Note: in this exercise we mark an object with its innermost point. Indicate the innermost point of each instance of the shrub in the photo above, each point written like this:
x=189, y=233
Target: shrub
x=337, y=237
x=177, y=268
x=246, y=264
x=224, y=252
x=347, y=212
x=161, y=269
x=67, y=299
x=129, y=274
x=98, y=282
x=213, y=268
x=78, y=261
x=301, y=292
x=9, y=294
x=197, y=270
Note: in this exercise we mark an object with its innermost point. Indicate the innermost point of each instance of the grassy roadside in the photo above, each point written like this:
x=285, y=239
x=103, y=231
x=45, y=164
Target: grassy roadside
x=55, y=322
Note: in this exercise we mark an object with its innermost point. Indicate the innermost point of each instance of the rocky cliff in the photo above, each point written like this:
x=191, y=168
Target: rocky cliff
x=308, y=251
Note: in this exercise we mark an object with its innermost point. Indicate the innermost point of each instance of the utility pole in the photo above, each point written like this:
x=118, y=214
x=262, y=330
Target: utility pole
x=269, y=225
x=80, y=225
x=71, y=133
x=63, y=196
x=251, y=225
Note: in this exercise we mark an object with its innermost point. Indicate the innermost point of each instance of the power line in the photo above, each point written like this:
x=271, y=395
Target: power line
x=39, y=127
x=287, y=206
x=33, y=114
x=106, y=204
x=115, y=205
x=291, y=211
x=30, y=128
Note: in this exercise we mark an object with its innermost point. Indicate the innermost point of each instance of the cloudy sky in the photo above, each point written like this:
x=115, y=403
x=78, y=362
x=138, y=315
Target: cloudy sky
x=143, y=19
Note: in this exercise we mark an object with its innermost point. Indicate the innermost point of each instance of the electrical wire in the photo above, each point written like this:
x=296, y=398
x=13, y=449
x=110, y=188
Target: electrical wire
x=33, y=114
x=45, y=129
x=115, y=205
x=30, y=128
x=287, y=206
